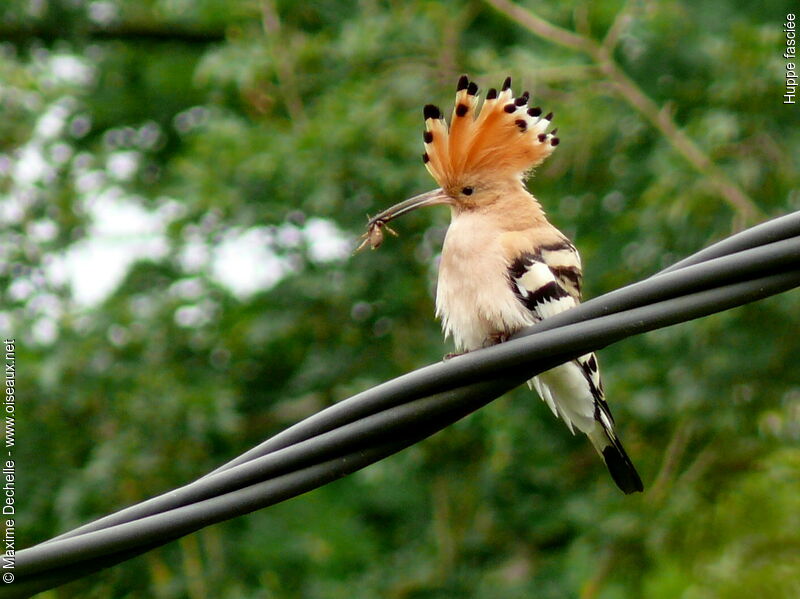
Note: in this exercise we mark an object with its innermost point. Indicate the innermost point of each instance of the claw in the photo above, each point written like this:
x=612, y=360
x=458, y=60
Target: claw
x=498, y=338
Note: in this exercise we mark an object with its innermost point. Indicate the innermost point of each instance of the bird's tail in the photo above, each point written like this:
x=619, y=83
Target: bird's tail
x=616, y=458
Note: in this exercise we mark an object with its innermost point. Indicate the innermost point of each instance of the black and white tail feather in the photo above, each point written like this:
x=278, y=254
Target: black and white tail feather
x=548, y=281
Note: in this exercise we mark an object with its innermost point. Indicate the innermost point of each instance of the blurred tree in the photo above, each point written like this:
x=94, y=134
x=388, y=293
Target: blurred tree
x=181, y=187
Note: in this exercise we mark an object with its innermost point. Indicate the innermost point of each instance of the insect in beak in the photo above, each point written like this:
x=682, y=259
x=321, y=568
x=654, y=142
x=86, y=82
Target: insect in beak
x=374, y=235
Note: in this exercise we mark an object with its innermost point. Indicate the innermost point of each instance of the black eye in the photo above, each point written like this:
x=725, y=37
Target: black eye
x=467, y=191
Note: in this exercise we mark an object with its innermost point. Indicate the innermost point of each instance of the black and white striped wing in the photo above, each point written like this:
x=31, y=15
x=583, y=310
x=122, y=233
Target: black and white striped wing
x=548, y=281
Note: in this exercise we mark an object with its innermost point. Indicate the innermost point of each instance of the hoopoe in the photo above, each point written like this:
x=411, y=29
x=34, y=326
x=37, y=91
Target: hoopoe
x=503, y=265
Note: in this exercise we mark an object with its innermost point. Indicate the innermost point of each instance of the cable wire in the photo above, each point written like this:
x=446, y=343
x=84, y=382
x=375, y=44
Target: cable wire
x=381, y=421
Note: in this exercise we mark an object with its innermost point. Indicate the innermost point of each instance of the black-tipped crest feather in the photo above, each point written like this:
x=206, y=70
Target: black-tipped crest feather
x=489, y=140
x=431, y=112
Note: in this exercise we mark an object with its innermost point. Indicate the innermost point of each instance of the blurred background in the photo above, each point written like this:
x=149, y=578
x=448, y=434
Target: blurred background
x=181, y=186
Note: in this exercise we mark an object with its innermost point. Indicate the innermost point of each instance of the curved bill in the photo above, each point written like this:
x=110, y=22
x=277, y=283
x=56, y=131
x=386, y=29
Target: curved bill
x=375, y=226
x=430, y=198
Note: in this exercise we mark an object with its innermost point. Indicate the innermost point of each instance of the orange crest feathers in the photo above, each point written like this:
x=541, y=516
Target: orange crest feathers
x=504, y=139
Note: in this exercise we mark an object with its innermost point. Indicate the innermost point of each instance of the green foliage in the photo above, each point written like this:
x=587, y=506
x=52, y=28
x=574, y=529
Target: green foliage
x=246, y=129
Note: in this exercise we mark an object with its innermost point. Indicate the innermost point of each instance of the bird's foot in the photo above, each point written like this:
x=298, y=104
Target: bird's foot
x=453, y=355
x=497, y=338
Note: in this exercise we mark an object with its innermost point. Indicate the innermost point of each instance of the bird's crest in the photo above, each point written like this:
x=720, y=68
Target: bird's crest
x=503, y=138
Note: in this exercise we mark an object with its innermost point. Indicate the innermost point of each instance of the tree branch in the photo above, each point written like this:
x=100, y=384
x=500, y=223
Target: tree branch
x=271, y=22
x=542, y=28
x=621, y=22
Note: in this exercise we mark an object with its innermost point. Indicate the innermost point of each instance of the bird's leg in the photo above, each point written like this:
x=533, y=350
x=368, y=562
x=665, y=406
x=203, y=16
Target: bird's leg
x=491, y=340
x=496, y=338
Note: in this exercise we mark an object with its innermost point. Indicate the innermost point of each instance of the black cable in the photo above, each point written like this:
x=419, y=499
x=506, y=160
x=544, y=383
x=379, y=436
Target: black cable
x=60, y=561
x=378, y=422
x=364, y=400
x=439, y=411
x=777, y=229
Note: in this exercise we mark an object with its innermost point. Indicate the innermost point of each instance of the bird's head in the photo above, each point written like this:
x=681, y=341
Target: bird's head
x=482, y=154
